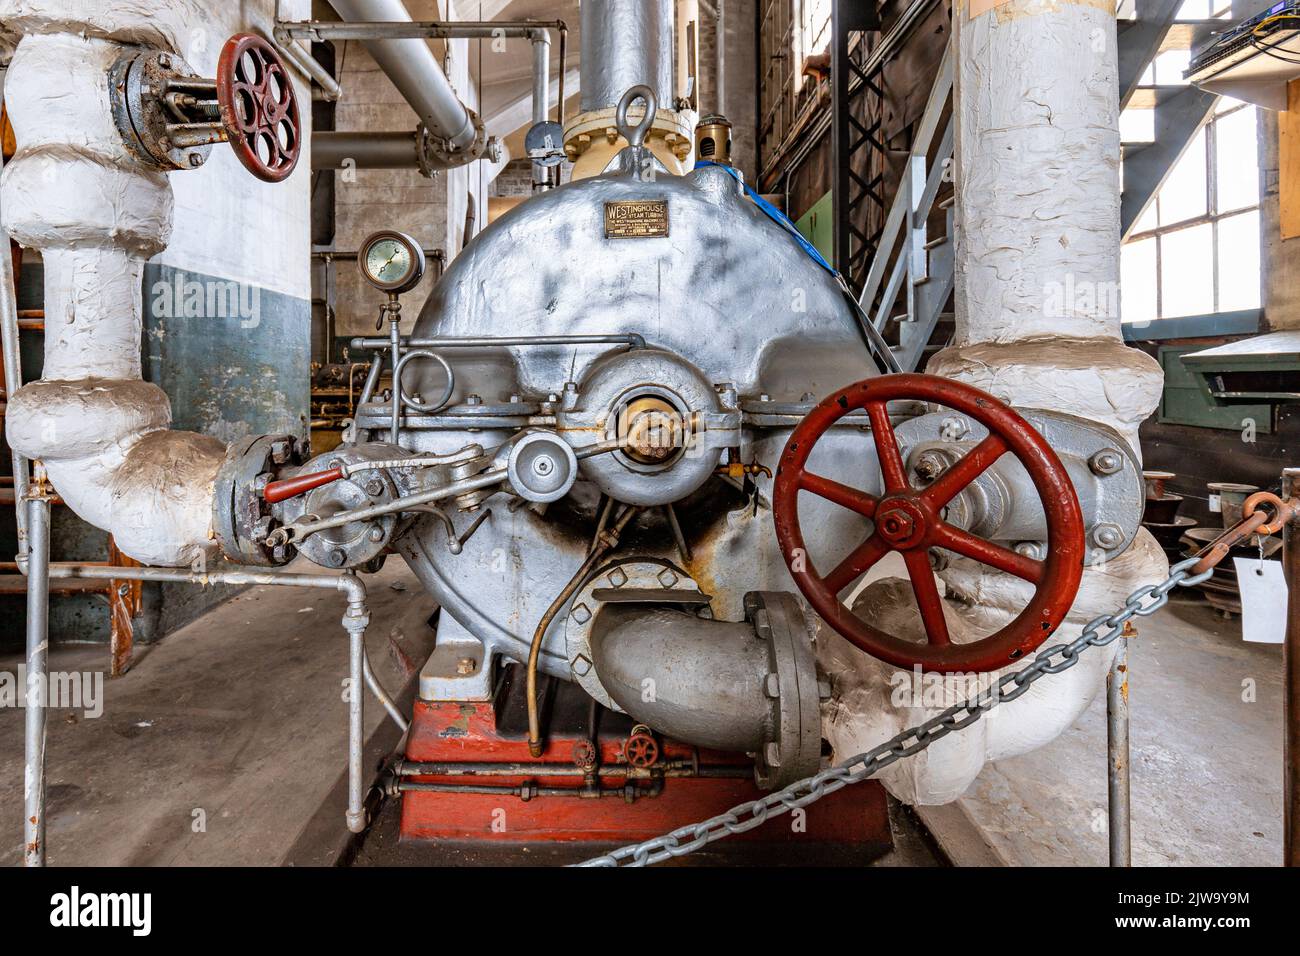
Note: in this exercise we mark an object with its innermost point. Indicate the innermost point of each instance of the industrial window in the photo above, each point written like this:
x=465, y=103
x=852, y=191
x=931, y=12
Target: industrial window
x=789, y=32
x=1195, y=250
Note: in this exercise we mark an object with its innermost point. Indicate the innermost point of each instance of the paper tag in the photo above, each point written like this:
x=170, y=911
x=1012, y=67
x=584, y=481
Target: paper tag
x=1263, y=600
x=1214, y=505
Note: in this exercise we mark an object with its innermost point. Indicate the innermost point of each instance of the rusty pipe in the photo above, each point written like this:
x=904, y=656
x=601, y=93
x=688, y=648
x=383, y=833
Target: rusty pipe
x=1291, y=671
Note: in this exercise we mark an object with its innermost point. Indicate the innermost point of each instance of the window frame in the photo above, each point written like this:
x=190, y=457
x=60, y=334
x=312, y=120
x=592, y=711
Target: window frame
x=1213, y=216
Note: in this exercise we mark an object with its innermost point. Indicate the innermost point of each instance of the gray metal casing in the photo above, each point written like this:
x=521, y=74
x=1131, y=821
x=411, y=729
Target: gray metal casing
x=727, y=290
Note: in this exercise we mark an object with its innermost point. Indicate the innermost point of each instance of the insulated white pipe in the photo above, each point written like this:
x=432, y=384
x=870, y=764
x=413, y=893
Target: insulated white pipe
x=74, y=192
x=1037, y=270
x=414, y=70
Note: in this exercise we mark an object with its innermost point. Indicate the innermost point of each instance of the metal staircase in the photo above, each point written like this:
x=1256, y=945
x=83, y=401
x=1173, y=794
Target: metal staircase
x=911, y=276
x=908, y=286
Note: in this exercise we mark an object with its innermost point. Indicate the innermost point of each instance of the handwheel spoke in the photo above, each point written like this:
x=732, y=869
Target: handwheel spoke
x=927, y=596
x=864, y=557
x=842, y=495
x=891, y=460
x=949, y=484
x=994, y=555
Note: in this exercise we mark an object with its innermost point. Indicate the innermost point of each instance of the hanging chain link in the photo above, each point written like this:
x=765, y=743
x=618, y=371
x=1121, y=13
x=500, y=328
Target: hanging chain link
x=1051, y=660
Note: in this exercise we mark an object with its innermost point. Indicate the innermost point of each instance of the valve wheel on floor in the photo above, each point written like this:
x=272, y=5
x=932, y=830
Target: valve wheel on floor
x=910, y=521
x=259, y=109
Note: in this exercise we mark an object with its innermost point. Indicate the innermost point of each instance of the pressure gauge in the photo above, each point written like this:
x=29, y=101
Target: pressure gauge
x=391, y=261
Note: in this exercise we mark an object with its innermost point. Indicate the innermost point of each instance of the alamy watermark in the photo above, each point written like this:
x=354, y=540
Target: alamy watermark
x=200, y=297
x=66, y=690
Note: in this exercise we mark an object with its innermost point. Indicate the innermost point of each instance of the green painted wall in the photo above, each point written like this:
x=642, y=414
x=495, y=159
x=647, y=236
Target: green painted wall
x=816, y=226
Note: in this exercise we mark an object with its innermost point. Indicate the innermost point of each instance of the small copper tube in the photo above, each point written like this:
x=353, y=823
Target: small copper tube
x=606, y=542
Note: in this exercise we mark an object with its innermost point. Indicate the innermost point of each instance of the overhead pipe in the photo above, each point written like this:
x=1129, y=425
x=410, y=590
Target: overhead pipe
x=384, y=150
x=310, y=66
x=414, y=70
x=432, y=30
x=403, y=149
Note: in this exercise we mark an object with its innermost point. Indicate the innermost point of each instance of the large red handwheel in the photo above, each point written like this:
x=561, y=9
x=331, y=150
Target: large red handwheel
x=910, y=520
x=258, y=107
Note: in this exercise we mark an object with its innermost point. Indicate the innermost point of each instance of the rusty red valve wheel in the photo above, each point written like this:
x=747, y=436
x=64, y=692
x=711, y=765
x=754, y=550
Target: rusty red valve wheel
x=584, y=755
x=641, y=749
x=258, y=107
x=910, y=521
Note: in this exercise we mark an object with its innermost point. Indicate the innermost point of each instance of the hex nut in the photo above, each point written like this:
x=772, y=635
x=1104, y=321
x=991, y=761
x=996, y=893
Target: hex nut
x=581, y=665
x=1107, y=536
x=617, y=578
x=1108, y=461
x=667, y=577
x=581, y=613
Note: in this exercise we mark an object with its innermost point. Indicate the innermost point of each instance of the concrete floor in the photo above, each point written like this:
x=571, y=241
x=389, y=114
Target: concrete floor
x=239, y=719
x=221, y=741
x=1206, y=763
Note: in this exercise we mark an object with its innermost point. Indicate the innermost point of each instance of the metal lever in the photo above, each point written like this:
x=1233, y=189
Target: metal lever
x=277, y=491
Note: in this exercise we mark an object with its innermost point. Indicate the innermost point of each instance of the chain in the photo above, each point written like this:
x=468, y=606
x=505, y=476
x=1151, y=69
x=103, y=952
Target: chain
x=1051, y=660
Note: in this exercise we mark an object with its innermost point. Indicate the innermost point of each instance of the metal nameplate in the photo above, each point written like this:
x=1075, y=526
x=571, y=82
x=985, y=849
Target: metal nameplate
x=636, y=219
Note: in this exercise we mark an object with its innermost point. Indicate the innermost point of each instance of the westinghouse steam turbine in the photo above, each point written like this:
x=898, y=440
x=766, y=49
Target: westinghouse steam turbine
x=638, y=451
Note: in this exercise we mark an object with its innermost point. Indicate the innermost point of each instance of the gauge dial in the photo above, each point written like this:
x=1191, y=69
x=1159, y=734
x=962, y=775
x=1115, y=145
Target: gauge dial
x=391, y=261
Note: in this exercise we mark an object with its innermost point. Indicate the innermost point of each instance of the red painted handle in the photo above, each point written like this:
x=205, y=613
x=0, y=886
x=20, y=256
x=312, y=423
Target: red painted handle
x=292, y=487
x=911, y=521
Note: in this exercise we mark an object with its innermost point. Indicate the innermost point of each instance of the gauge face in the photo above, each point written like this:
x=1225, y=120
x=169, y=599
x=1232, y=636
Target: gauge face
x=392, y=261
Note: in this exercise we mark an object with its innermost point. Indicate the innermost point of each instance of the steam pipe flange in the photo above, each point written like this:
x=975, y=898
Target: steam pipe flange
x=433, y=153
x=794, y=745
x=630, y=580
x=241, y=518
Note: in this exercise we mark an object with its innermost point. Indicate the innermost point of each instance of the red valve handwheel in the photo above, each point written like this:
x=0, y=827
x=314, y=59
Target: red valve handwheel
x=910, y=521
x=258, y=107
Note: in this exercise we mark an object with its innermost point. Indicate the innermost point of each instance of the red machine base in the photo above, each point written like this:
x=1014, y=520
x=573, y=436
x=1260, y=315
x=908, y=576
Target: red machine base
x=468, y=777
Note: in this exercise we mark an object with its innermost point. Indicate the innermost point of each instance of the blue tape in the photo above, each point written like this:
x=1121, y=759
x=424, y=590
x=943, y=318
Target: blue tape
x=776, y=215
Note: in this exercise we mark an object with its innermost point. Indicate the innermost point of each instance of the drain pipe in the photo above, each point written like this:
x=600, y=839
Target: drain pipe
x=1038, y=326
x=355, y=621
x=414, y=70
x=38, y=617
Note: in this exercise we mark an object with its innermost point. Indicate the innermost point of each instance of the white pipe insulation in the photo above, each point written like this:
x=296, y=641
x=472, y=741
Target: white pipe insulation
x=1037, y=247
x=74, y=192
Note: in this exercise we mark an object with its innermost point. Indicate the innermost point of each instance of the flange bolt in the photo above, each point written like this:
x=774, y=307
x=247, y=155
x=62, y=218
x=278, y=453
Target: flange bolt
x=1106, y=462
